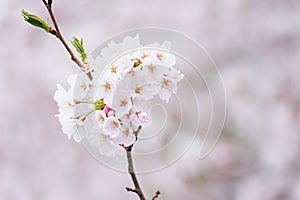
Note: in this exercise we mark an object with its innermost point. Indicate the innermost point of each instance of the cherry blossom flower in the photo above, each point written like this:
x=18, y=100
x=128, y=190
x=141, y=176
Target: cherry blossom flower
x=72, y=128
x=100, y=117
x=108, y=109
x=80, y=85
x=121, y=102
x=125, y=136
x=64, y=101
x=111, y=126
x=103, y=143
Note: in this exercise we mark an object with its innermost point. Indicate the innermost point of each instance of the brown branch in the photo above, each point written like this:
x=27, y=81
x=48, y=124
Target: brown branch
x=156, y=195
x=131, y=171
x=50, y=3
x=58, y=34
x=131, y=190
x=137, y=131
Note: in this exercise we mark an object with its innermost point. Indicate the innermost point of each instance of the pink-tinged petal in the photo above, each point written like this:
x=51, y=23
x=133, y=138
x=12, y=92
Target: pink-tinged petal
x=110, y=113
x=143, y=117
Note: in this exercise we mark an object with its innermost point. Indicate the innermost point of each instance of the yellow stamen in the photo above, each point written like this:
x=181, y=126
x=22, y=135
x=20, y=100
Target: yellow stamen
x=100, y=118
x=151, y=68
x=165, y=82
x=138, y=89
x=123, y=102
x=113, y=69
x=115, y=124
x=160, y=56
x=68, y=104
x=83, y=86
x=103, y=137
x=106, y=86
x=126, y=131
x=144, y=56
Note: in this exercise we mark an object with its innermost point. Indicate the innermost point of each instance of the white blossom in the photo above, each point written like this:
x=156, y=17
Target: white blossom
x=103, y=143
x=110, y=107
x=125, y=136
x=64, y=101
x=111, y=126
x=72, y=128
x=80, y=85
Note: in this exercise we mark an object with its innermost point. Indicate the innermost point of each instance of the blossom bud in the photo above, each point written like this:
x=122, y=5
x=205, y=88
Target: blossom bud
x=137, y=63
x=143, y=117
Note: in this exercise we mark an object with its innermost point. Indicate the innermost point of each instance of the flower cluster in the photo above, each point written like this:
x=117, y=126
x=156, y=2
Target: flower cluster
x=108, y=110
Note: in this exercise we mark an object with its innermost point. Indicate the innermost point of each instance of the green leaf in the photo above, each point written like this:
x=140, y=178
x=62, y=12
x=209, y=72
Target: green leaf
x=78, y=44
x=35, y=21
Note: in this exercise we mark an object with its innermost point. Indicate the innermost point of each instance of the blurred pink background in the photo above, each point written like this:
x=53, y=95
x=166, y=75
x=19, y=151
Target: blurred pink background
x=255, y=43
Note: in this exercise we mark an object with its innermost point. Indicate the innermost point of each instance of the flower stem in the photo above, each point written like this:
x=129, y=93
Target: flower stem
x=137, y=189
x=58, y=34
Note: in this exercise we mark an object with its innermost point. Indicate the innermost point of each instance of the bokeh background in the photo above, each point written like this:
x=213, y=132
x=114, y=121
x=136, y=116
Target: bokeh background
x=256, y=45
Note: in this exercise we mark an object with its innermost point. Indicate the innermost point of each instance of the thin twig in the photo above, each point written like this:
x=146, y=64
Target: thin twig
x=131, y=171
x=58, y=34
x=137, y=131
x=131, y=190
x=156, y=195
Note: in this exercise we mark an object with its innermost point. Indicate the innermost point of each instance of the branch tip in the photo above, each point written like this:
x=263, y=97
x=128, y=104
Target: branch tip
x=156, y=195
x=132, y=190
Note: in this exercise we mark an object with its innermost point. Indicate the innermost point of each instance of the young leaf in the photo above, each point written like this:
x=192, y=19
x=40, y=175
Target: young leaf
x=78, y=44
x=35, y=21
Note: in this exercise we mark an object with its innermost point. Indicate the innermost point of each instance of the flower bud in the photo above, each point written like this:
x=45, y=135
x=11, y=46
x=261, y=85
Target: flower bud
x=137, y=63
x=143, y=117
